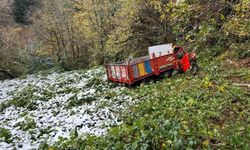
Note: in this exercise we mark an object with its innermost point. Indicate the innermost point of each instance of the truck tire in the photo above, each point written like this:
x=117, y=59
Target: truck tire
x=169, y=73
x=194, y=66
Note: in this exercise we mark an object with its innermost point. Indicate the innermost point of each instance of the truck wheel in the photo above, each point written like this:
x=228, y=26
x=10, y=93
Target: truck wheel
x=194, y=66
x=169, y=73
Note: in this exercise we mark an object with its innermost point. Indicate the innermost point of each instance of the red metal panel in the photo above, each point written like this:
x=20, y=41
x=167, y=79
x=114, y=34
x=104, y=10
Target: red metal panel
x=164, y=61
x=117, y=73
x=161, y=62
x=185, y=63
x=112, y=72
x=120, y=73
x=124, y=73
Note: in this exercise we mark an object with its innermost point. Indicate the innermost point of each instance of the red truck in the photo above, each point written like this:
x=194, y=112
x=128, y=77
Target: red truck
x=161, y=59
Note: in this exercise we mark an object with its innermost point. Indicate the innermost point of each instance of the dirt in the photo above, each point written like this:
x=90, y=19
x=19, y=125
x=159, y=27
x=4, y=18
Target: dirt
x=231, y=63
x=241, y=63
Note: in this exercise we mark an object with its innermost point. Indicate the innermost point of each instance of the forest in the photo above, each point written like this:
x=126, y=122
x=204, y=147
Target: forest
x=52, y=52
x=38, y=35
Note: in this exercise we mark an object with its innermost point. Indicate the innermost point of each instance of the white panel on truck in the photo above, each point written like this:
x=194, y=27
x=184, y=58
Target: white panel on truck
x=160, y=50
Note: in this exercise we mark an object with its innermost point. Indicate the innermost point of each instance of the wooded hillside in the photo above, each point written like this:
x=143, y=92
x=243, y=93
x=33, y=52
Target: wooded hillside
x=37, y=35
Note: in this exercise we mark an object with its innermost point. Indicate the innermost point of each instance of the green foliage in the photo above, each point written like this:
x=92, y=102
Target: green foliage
x=27, y=124
x=141, y=28
x=22, y=99
x=88, y=33
x=44, y=131
x=239, y=24
x=74, y=101
x=5, y=134
x=27, y=98
x=38, y=63
x=197, y=24
x=94, y=81
x=184, y=111
x=242, y=50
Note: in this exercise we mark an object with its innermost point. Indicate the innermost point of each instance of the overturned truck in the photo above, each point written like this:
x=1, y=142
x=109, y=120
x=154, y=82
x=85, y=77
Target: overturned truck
x=162, y=59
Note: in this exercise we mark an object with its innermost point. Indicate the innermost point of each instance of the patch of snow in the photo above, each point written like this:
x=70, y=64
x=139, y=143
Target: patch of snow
x=53, y=116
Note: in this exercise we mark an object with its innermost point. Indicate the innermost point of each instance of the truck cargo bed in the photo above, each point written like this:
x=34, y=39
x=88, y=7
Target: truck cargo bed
x=136, y=69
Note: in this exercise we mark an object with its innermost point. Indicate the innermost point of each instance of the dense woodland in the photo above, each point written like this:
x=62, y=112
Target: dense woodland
x=70, y=34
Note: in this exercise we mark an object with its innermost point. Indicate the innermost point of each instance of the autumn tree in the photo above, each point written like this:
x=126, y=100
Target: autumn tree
x=12, y=41
x=60, y=36
x=95, y=18
x=82, y=33
x=138, y=25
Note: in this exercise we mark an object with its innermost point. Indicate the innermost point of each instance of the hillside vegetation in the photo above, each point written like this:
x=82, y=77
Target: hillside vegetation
x=49, y=107
x=56, y=108
x=186, y=111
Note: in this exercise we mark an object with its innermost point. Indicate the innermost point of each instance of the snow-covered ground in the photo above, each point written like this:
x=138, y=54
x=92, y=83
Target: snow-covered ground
x=46, y=108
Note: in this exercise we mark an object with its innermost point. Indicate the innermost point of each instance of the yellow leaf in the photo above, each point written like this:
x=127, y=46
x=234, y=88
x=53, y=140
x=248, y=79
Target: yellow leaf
x=182, y=132
x=210, y=84
x=191, y=101
x=222, y=17
x=211, y=134
x=221, y=88
x=162, y=17
x=206, y=143
x=169, y=142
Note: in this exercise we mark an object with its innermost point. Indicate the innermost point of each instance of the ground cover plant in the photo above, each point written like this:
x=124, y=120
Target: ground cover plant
x=81, y=110
x=187, y=111
x=45, y=108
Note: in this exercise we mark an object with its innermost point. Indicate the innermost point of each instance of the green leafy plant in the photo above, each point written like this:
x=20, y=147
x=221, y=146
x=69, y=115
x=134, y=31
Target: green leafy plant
x=27, y=124
x=5, y=134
